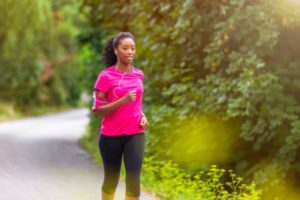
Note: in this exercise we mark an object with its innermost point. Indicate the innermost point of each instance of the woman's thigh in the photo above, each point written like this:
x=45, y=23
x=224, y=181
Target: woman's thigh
x=134, y=152
x=111, y=149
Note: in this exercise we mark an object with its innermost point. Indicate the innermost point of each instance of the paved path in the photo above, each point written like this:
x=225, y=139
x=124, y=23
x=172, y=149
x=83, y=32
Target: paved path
x=40, y=159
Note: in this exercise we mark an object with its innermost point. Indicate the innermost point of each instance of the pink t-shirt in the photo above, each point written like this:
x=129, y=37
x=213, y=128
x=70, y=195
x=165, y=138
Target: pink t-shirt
x=125, y=120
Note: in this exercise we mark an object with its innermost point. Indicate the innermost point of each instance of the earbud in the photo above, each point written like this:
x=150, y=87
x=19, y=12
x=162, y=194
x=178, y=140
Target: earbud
x=116, y=52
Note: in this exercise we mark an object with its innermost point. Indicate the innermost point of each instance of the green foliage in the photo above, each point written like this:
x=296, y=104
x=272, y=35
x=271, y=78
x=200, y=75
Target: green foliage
x=234, y=58
x=217, y=56
x=191, y=145
x=7, y=111
x=37, y=52
x=90, y=58
x=175, y=183
x=20, y=46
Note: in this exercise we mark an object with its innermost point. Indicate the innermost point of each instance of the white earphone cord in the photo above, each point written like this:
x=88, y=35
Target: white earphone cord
x=120, y=79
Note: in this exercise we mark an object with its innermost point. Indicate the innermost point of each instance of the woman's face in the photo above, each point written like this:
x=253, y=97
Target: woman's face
x=126, y=50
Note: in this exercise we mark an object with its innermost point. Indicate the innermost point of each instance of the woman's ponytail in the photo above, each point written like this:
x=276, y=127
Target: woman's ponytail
x=109, y=57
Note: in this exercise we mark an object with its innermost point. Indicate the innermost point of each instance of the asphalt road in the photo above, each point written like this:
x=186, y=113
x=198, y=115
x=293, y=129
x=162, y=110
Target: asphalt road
x=40, y=159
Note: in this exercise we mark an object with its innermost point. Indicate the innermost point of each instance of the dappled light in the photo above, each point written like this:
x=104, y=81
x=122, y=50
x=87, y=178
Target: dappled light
x=201, y=140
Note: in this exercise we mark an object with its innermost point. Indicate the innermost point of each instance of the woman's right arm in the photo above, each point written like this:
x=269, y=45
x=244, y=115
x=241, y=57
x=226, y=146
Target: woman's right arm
x=106, y=108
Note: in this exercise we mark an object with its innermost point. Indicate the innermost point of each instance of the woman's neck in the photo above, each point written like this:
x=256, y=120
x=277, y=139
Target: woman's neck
x=123, y=67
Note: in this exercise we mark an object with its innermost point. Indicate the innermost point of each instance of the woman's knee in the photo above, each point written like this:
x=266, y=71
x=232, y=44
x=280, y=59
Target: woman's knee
x=109, y=185
x=133, y=184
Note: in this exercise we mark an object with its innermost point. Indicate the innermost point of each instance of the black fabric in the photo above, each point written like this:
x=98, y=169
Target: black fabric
x=112, y=149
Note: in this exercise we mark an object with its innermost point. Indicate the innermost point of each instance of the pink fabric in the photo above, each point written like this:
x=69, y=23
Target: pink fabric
x=125, y=119
x=97, y=101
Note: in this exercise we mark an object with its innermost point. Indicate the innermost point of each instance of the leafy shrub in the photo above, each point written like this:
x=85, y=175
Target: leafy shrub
x=171, y=182
x=235, y=57
x=38, y=52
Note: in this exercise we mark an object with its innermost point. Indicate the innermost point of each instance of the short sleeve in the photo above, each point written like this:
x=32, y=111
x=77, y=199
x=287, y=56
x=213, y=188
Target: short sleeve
x=141, y=74
x=102, y=83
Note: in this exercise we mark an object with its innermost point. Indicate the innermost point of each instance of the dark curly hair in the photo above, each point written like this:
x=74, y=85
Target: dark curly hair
x=109, y=56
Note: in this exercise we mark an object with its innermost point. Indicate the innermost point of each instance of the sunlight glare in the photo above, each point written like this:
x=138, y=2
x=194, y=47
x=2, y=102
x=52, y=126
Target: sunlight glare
x=294, y=1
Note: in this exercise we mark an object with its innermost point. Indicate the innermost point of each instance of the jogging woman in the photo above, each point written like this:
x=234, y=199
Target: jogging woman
x=118, y=99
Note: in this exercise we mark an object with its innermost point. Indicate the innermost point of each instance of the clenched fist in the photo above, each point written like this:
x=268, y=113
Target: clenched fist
x=144, y=123
x=130, y=96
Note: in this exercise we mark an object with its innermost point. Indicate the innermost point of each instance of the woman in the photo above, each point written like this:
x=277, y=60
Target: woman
x=118, y=98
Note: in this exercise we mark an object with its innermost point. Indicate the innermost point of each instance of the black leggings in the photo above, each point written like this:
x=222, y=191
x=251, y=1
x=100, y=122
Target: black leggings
x=111, y=149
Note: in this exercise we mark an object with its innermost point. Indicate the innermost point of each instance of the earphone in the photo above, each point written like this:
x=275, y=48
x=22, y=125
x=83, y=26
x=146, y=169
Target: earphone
x=119, y=83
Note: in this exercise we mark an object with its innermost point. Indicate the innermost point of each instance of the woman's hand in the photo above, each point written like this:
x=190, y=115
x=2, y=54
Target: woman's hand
x=130, y=96
x=144, y=123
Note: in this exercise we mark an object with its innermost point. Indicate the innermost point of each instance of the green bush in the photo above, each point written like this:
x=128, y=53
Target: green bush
x=171, y=182
x=195, y=140
x=235, y=57
x=38, y=52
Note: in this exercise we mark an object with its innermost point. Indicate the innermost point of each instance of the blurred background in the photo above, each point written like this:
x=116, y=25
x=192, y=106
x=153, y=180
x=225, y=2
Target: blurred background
x=222, y=85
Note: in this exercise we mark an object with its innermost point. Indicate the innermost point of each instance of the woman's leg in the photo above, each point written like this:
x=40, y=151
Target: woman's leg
x=111, y=148
x=105, y=196
x=133, y=158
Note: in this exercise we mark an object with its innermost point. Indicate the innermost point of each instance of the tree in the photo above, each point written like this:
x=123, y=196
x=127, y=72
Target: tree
x=35, y=52
x=234, y=59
